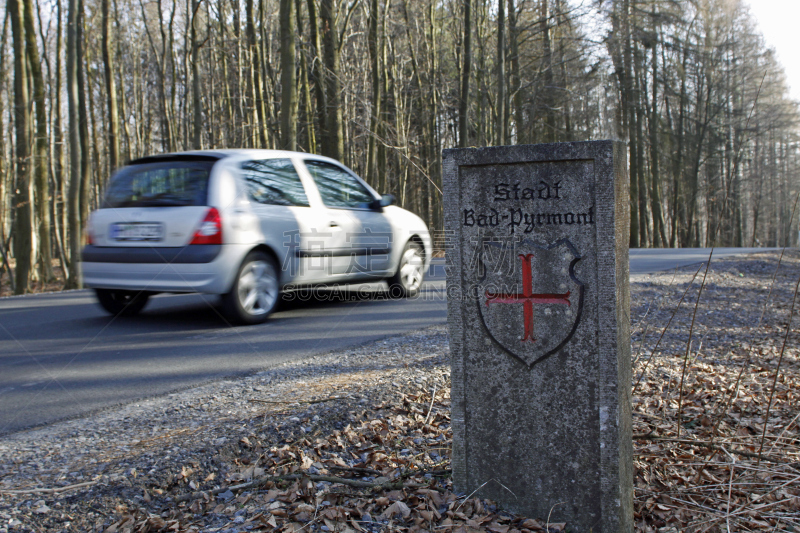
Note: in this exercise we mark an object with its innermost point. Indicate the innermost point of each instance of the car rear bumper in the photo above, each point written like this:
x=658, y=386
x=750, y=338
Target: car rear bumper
x=202, y=253
x=187, y=269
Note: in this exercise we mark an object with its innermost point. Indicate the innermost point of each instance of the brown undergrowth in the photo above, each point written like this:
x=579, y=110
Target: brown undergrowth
x=370, y=451
x=732, y=460
x=38, y=284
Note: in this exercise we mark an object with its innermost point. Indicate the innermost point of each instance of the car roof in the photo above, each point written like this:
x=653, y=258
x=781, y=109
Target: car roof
x=211, y=155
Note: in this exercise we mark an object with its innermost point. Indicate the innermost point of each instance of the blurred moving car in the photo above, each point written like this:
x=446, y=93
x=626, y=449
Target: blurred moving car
x=246, y=224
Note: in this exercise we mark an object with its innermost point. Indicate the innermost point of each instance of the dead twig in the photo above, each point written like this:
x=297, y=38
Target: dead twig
x=702, y=444
x=727, y=402
x=547, y=527
x=310, y=402
x=57, y=490
x=430, y=409
x=257, y=483
x=689, y=345
x=355, y=470
x=778, y=369
x=664, y=331
x=644, y=320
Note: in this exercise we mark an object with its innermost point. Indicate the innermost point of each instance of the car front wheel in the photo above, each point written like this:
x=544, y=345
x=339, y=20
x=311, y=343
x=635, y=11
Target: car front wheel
x=410, y=272
x=120, y=302
x=255, y=290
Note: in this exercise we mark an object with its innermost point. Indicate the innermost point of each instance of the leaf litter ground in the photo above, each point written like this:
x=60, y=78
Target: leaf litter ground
x=360, y=440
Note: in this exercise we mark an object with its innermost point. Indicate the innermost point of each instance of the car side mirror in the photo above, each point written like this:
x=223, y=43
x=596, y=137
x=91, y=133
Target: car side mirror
x=379, y=203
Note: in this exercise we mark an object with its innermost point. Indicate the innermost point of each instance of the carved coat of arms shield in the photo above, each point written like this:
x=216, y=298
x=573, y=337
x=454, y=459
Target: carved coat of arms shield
x=529, y=298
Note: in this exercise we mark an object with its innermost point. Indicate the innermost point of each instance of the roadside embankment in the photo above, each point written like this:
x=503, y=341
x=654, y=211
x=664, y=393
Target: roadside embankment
x=360, y=439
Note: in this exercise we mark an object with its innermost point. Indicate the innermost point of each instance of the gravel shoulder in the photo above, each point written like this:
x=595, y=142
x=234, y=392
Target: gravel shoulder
x=379, y=415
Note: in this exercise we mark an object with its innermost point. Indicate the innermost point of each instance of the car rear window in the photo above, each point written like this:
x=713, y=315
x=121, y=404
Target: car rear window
x=160, y=184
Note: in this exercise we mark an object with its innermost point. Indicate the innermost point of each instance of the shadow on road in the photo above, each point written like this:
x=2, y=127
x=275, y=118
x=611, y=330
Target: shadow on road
x=204, y=311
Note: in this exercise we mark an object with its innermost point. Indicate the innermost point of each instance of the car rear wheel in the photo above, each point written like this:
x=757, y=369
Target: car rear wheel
x=410, y=272
x=255, y=291
x=119, y=302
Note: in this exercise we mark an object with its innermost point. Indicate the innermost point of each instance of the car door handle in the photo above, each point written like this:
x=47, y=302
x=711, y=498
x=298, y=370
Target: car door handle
x=333, y=224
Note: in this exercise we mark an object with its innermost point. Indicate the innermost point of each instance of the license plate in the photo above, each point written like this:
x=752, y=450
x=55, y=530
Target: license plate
x=137, y=231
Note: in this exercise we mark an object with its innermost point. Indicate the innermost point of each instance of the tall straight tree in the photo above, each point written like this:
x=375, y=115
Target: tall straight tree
x=514, y=82
x=501, y=74
x=659, y=234
x=40, y=166
x=466, y=64
x=548, y=96
x=318, y=73
x=75, y=150
x=308, y=119
x=333, y=136
x=4, y=167
x=373, y=46
x=197, y=102
x=258, y=86
x=22, y=125
x=288, y=76
x=83, y=123
x=111, y=88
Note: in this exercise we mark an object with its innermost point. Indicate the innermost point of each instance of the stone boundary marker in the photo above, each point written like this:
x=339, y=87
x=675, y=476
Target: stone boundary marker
x=538, y=314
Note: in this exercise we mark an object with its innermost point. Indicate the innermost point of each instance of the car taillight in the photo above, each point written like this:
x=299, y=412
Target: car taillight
x=88, y=233
x=210, y=230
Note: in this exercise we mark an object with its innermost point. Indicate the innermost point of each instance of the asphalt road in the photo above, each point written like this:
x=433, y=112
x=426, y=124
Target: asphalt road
x=645, y=260
x=61, y=356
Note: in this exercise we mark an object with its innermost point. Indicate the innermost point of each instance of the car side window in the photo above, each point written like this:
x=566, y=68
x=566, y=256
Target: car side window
x=274, y=182
x=337, y=188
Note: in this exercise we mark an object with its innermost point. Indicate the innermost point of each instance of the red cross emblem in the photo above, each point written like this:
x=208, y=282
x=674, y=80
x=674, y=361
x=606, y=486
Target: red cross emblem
x=545, y=330
x=527, y=298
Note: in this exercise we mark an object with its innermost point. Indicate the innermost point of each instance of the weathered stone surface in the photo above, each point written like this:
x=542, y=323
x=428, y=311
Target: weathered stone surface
x=538, y=313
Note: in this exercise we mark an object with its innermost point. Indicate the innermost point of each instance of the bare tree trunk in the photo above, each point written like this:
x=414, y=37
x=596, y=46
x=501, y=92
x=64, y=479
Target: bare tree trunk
x=466, y=64
x=161, y=59
x=659, y=235
x=40, y=167
x=58, y=152
x=5, y=177
x=197, y=105
x=629, y=105
x=111, y=90
x=258, y=89
x=169, y=53
x=83, y=130
x=483, y=135
x=550, y=133
x=332, y=145
x=373, y=46
x=227, y=98
x=679, y=210
x=562, y=23
x=98, y=179
x=516, y=93
x=22, y=124
x=435, y=137
x=701, y=123
x=639, y=96
x=289, y=76
x=75, y=155
x=318, y=74
x=308, y=113
x=500, y=137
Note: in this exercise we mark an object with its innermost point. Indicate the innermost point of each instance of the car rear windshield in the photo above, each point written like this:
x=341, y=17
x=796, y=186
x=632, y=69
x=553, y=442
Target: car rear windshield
x=167, y=183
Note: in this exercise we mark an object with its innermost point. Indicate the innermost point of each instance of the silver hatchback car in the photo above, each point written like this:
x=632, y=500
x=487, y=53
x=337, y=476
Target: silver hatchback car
x=246, y=224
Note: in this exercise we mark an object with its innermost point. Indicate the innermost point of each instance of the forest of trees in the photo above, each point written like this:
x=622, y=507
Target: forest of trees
x=384, y=86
